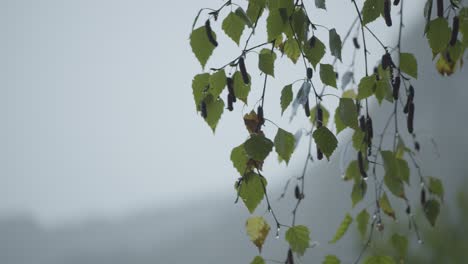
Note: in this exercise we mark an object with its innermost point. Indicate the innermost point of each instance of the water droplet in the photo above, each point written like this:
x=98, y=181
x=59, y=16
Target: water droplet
x=269, y=209
x=277, y=236
x=343, y=176
x=420, y=241
x=422, y=184
x=365, y=178
x=374, y=216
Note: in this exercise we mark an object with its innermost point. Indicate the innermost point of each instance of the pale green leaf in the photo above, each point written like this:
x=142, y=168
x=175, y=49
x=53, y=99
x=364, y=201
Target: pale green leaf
x=359, y=191
x=284, y=144
x=335, y=43
x=366, y=87
x=371, y=10
x=292, y=50
x=362, y=220
x=431, y=210
x=328, y=75
x=257, y=230
x=314, y=54
x=341, y=231
x=325, y=140
x=400, y=244
x=243, y=15
x=348, y=113
x=214, y=110
x=436, y=187
x=331, y=259
x=438, y=34
x=217, y=83
x=233, y=26
x=298, y=238
x=286, y=97
x=201, y=46
x=266, y=61
x=276, y=24
x=258, y=147
x=258, y=260
x=408, y=64
x=241, y=90
x=239, y=159
x=338, y=122
x=200, y=84
x=386, y=206
x=251, y=190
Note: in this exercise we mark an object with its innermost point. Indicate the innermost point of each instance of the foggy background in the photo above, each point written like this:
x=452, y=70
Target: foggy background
x=103, y=158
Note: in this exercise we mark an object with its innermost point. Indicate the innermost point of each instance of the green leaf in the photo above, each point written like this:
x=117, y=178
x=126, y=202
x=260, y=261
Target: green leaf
x=284, y=144
x=245, y=18
x=331, y=259
x=201, y=46
x=436, y=187
x=371, y=10
x=386, y=206
x=200, y=83
x=266, y=61
x=335, y=43
x=403, y=170
x=409, y=64
x=300, y=24
x=351, y=94
x=286, y=97
x=381, y=89
x=315, y=54
x=348, y=112
x=359, y=191
x=214, y=110
x=233, y=26
x=251, y=190
x=362, y=220
x=258, y=260
x=379, y=260
x=217, y=83
x=325, y=140
x=432, y=209
x=298, y=238
x=257, y=229
x=358, y=141
x=352, y=172
x=255, y=9
x=325, y=115
x=395, y=185
x=258, y=147
x=438, y=34
x=328, y=75
x=292, y=50
x=342, y=228
x=338, y=122
x=320, y=4
x=275, y=24
x=366, y=87
x=241, y=90
x=400, y=244
x=239, y=159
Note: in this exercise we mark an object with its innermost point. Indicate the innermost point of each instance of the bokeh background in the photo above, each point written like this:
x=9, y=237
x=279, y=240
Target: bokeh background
x=103, y=158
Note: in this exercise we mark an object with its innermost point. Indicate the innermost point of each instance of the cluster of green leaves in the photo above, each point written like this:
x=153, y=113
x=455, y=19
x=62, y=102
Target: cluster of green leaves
x=290, y=32
x=447, y=35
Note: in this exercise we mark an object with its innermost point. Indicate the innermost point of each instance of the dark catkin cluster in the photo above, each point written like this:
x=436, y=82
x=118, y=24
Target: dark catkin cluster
x=369, y=133
x=409, y=110
x=231, y=97
x=307, y=108
x=204, y=113
x=361, y=165
x=409, y=100
x=243, y=70
x=396, y=87
x=455, y=29
x=440, y=8
x=309, y=73
x=209, y=33
x=261, y=118
x=387, y=13
x=396, y=2
x=423, y=196
x=312, y=41
x=410, y=118
x=319, y=125
x=297, y=192
x=356, y=43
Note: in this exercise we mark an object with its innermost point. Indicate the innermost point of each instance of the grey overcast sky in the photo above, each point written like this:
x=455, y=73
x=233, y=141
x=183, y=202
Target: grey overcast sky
x=96, y=108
